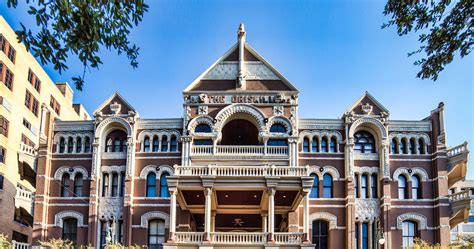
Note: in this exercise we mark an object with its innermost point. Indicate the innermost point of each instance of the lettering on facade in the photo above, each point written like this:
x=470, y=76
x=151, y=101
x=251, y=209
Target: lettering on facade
x=240, y=99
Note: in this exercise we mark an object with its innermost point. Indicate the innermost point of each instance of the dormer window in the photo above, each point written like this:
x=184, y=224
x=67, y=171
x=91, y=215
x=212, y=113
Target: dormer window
x=364, y=142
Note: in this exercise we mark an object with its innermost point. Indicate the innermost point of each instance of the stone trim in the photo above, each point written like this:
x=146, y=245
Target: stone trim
x=325, y=169
x=59, y=218
x=201, y=119
x=58, y=175
x=230, y=110
x=414, y=171
x=375, y=123
x=152, y=168
x=420, y=219
x=331, y=218
x=146, y=217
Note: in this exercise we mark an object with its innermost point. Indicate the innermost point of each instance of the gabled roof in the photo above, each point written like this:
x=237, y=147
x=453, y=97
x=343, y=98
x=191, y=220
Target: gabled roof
x=367, y=97
x=116, y=97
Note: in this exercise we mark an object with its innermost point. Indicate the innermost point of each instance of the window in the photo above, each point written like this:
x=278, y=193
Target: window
x=11, y=54
x=421, y=146
x=105, y=185
x=203, y=128
x=332, y=145
x=412, y=146
x=363, y=186
x=54, y=104
x=305, y=144
x=373, y=185
x=164, y=185
x=402, y=187
x=62, y=145
x=156, y=234
x=78, y=185
x=117, y=145
x=324, y=144
x=146, y=144
x=394, y=146
x=327, y=186
x=70, y=230
x=115, y=184
x=277, y=142
x=27, y=141
x=409, y=232
x=173, y=144
x=203, y=142
x=7, y=48
x=315, y=188
x=320, y=234
x=156, y=144
x=4, y=126
x=164, y=144
x=122, y=184
x=415, y=187
x=65, y=185
x=356, y=185
x=116, y=141
x=87, y=145
x=278, y=128
x=103, y=233
x=364, y=142
x=151, y=185
x=31, y=103
x=27, y=124
x=315, y=144
x=78, y=145
x=403, y=147
x=6, y=76
x=1, y=182
x=365, y=237
x=70, y=145
x=108, y=147
x=34, y=80
x=3, y=155
x=356, y=233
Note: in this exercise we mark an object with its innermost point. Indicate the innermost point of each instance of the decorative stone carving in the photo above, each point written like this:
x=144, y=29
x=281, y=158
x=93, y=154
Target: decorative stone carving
x=320, y=171
x=380, y=128
x=278, y=110
x=367, y=209
x=153, y=168
x=59, y=218
x=420, y=219
x=229, y=70
x=113, y=168
x=154, y=215
x=331, y=218
x=414, y=171
x=72, y=171
x=110, y=207
x=115, y=108
x=228, y=111
x=202, y=98
x=367, y=109
x=280, y=120
x=202, y=110
x=369, y=170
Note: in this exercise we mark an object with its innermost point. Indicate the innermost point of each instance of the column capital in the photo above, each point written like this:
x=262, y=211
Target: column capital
x=271, y=191
x=208, y=191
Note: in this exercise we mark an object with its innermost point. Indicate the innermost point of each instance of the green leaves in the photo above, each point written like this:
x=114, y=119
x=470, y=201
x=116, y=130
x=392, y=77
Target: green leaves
x=446, y=29
x=80, y=28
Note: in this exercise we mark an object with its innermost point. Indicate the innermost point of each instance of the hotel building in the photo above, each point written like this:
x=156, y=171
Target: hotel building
x=29, y=104
x=240, y=168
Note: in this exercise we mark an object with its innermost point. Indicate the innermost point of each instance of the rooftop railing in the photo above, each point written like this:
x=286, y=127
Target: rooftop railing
x=256, y=150
x=256, y=171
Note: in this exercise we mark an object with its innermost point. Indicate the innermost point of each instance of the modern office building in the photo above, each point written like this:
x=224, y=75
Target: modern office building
x=29, y=103
x=240, y=168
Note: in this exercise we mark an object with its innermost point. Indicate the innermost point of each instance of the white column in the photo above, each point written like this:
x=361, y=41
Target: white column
x=271, y=213
x=369, y=233
x=207, y=214
x=173, y=214
x=264, y=223
x=213, y=221
x=369, y=186
x=306, y=216
x=359, y=236
x=111, y=176
x=119, y=184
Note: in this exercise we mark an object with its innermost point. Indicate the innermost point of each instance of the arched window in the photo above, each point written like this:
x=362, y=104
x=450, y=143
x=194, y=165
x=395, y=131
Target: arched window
x=402, y=187
x=315, y=144
x=156, y=144
x=151, y=185
x=70, y=145
x=315, y=188
x=404, y=147
x=118, y=145
x=327, y=186
x=421, y=146
x=65, y=185
x=164, y=144
x=79, y=145
x=356, y=185
x=108, y=146
x=363, y=186
x=202, y=128
x=364, y=142
x=412, y=146
x=394, y=146
x=416, y=187
x=70, y=230
x=115, y=184
x=146, y=144
x=324, y=144
x=305, y=144
x=202, y=142
x=277, y=142
x=78, y=185
x=333, y=145
x=123, y=144
x=122, y=184
x=87, y=145
x=409, y=233
x=156, y=234
x=320, y=234
x=164, y=192
x=278, y=128
x=173, y=143
x=373, y=185
x=105, y=184
x=62, y=145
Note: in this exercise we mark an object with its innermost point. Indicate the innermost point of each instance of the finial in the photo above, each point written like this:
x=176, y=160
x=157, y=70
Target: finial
x=241, y=30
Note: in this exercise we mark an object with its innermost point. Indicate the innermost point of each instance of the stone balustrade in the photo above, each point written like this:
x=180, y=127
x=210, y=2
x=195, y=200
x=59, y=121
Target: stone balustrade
x=25, y=199
x=252, y=171
x=255, y=150
x=238, y=238
x=19, y=245
x=247, y=238
x=288, y=238
x=460, y=196
x=28, y=150
x=189, y=237
x=457, y=150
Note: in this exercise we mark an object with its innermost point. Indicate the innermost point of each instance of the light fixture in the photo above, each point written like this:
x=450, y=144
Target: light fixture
x=197, y=196
x=255, y=196
x=226, y=196
x=284, y=196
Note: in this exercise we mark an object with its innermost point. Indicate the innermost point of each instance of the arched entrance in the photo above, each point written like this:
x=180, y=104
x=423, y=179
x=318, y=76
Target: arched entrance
x=239, y=132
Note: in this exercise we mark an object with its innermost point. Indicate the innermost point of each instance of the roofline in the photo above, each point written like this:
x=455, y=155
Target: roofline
x=366, y=93
x=116, y=93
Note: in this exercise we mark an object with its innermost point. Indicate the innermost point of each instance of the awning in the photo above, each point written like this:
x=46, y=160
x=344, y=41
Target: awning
x=27, y=172
x=23, y=216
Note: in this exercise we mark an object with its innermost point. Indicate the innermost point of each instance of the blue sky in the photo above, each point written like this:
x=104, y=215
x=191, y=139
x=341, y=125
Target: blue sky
x=332, y=51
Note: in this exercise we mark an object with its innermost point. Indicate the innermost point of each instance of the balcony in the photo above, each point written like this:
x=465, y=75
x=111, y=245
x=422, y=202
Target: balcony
x=238, y=151
x=27, y=163
x=238, y=238
x=458, y=157
x=460, y=205
x=24, y=206
x=237, y=171
x=20, y=245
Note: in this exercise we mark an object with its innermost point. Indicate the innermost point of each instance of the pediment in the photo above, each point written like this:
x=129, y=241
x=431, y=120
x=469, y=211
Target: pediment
x=115, y=105
x=367, y=105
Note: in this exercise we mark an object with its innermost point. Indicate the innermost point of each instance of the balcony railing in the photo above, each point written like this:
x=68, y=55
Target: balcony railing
x=460, y=196
x=28, y=150
x=458, y=158
x=457, y=150
x=460, y=204
x=289, y=238
x=24, y=199
x=189, y=237
x=239, y=150
x=237, y=238
x=256, y=171
x=20, y=245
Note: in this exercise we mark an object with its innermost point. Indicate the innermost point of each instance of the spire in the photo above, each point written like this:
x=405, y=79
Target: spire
x=241, y=75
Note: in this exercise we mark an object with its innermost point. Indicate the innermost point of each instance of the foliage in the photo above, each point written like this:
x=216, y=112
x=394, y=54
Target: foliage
x=57, y=244
x=81, y=28
x=464, y=240
x=446, y=29
x=4, y=243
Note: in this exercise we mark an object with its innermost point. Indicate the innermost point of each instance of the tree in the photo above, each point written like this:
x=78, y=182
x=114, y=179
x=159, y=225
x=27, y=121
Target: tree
x=80, y=28
x=446, y=29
